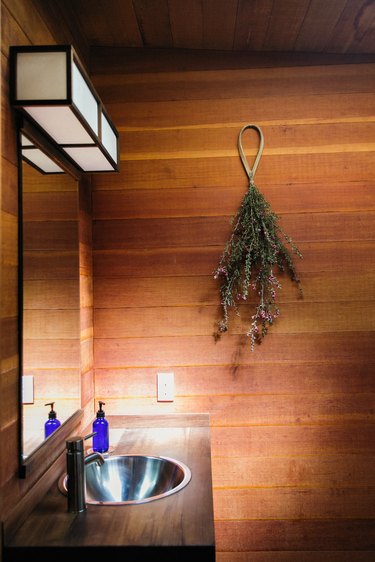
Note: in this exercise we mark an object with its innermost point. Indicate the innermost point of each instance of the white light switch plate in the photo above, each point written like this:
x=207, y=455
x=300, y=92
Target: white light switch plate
x=165, y=387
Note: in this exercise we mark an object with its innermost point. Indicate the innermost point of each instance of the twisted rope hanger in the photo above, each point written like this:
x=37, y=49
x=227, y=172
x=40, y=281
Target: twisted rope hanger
x=250, y=172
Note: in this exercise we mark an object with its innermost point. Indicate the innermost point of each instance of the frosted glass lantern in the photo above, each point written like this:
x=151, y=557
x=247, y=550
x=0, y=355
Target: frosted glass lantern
x=37, y=158
x=50, y=86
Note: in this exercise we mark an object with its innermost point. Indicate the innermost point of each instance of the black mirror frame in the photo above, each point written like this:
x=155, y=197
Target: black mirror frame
x=56, y=442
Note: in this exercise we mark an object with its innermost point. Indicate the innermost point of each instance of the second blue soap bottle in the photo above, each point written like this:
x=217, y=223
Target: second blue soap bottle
x=100, y=441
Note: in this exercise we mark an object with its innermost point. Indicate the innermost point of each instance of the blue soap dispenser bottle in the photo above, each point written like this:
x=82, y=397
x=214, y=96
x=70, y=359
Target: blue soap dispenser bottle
x=52, y=423
x=100, y=441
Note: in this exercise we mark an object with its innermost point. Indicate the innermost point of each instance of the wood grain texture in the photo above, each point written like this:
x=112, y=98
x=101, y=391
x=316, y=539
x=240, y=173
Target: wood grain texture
x=285, y=24
x=298, y=535
x=132, y=203
x=289, y=472
x=189, y=36
x=62, y=22
x=138, y=60
x=154, y=22
x=318, y=257
x=51, y=316
x=252, y=23
x=22, y=24
x=198, y=290
x=296, y=556
x=219, y=20
x=293, y=422
x=250, y=378
x=244, y=410
x=296, y=440
x=317, y=36
x=235, y=25
x=86, y=297
x=217, y=138
x=313, y=108
x=209, y=231
x=295, y=503
x=347, y=32
x=251, y=83
x=185, y=520
x=179, y=321
x=178, y=132
x=232, y=350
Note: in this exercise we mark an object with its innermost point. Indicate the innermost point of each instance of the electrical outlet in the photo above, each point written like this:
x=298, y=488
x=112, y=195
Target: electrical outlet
x=165, y=387
x=28, y=389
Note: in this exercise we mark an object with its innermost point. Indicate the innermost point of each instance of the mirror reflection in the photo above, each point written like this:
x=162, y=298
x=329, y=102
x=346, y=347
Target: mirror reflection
x=50, y=295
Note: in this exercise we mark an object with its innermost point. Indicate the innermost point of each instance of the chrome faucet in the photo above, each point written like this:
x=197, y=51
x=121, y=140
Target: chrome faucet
x=75, y=463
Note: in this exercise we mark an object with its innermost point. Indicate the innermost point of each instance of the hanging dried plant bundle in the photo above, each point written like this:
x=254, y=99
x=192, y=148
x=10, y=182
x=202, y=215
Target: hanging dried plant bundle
x=251, y=256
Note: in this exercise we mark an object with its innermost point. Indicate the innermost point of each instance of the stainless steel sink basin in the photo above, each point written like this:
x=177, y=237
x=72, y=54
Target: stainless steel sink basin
x=132, y=479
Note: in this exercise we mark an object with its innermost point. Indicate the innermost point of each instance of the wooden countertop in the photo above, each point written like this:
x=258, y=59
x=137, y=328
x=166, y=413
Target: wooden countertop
x=182, y=521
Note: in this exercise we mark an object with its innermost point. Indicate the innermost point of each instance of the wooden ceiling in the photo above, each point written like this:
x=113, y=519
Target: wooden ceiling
x=329, y=26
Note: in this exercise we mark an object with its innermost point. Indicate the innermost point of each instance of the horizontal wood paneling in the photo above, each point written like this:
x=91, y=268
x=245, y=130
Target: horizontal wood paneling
x=317, y=257
x=295, y=503
x=299, y=317
x=246, y=83
x=52, y=353
x=199, y=290
x=296, y=556
x=49, y=318
x=51, y=294
x=63, y=382
x=222, y=139
x=201, y=350
x=287, y=198
x=246, y=378
x=199, y=171
x=319, y=535
x=292, y=423
x=43, y=264
x=61, y=206
x=211, y=231
x=46, y=324
x=242, y=410
x=53, y=236
x=313, y=109
x=296, y=440
x=289, y=472
x=9, y=301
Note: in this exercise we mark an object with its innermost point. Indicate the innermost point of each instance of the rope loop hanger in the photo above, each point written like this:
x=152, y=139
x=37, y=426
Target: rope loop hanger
x=250, y=172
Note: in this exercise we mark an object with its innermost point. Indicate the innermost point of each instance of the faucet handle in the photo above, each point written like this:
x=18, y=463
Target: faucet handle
x=75, y=444
x=89, y=435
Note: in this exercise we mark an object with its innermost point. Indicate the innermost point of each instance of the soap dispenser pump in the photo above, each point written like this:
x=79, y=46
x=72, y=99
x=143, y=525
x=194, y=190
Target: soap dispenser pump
x=100, y=441
x=52, y=423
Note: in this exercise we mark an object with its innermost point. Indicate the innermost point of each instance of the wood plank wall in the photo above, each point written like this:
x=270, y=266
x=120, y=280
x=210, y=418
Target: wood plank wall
x=86, y=301
x=293, y=424
x=22, y=24
x=51, y=290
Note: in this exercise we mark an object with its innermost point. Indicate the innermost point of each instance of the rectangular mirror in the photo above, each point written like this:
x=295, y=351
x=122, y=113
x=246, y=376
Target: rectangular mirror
x=49, y=295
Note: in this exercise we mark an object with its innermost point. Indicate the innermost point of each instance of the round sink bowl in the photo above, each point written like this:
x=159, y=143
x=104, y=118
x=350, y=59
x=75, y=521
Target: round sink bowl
x=132, y=479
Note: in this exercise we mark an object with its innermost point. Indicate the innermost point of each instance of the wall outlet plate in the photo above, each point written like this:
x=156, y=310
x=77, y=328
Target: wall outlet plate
x=28, y=389
x=165, y=387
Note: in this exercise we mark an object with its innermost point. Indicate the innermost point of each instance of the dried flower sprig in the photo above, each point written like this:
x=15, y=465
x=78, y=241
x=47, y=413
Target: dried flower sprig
x=250, y=257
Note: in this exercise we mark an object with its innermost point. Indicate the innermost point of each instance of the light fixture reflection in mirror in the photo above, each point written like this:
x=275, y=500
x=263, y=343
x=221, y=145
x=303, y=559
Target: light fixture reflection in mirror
x=50, y=295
